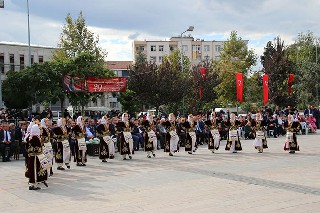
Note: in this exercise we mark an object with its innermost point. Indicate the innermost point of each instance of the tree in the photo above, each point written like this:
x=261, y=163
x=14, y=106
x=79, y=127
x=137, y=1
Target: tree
x=78, y=54
x=129, y=101
x=276, y=64
x=235, y=57
x=153, y=83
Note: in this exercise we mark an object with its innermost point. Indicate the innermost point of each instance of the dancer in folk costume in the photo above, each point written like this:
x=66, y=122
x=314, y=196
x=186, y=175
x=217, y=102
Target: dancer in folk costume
x=38, y=164
x=291, y=143
x=172, y=138
x=260, y=141
x=233, y=140
x=78, y=134
x=150, y=138
x=63, y=154
x=125, y=139
x=191, y=138
x=214, y=134
x=46, y=140
x=106, y=141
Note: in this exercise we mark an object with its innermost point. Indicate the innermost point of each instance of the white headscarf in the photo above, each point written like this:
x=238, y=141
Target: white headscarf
x=171, y=117
x=123, y=117
x=43, y=123
x=59, y=122
x=149, y=117
x=35, y=131
x=103, y=120
x=30, y=126
x=79, y=121
x=190, y=120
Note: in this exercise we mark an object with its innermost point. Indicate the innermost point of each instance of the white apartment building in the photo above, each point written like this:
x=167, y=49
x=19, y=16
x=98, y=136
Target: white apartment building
x=196, y=50
x=15, y=56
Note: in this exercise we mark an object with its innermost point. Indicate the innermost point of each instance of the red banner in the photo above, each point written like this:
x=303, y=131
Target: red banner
x=115, y=84
x=203, y=72
x=73, y=84
x=239, y=86
x=265, y=89
x=290, y=83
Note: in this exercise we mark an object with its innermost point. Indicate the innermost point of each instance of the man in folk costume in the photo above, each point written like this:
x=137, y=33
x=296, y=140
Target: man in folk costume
x=38, y=164
x=106, y=141
x=291, y=143
x=63, y=154
x=172, y=135
x=214, y=134
x=124, y=137
x=78, y=135
x=260, y=141
x=191, y=138
x=233, y=140
x=150, y=138
x=47, y=146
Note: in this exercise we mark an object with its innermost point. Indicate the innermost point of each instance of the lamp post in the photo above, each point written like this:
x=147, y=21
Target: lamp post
x=29, y=33
x=189, y=29
x=317, y=72
x=181, y=59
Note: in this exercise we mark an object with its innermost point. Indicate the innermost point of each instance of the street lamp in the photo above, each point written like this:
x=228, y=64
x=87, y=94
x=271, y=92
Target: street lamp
x=189, y=29
x=181, y=60
x=29, y=33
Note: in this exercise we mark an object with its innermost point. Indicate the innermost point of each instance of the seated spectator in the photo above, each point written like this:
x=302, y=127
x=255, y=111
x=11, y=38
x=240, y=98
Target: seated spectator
x=312, y=123
x=248, y=131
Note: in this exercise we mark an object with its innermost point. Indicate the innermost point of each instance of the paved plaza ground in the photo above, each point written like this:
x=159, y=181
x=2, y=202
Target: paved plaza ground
x=273, y=181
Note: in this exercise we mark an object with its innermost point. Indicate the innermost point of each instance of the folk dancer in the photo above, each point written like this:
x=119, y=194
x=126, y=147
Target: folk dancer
x=106, y=142
x=47, y=146
x=78, y=135
x=260, y=141
x=150, y=137
x=292, y=126
x=38, y=164
x=172, y=139
x=124, y=137
x=233, y=140
x=214, y=134
x=191, y=138
x=63, y=154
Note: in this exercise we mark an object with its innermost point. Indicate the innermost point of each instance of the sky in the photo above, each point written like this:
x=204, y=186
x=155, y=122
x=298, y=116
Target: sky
x=119, y=22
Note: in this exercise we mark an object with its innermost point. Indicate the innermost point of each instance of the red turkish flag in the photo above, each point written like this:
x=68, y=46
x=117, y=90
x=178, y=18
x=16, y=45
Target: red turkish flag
x=290, y=83
x=265, y=89
x=203, y=72
x=239, y=86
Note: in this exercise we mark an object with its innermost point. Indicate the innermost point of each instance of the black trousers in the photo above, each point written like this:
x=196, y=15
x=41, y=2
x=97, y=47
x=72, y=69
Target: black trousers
x=6, y=151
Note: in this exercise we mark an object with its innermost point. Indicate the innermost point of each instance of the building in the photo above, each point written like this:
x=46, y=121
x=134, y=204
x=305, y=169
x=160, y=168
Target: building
x=15, y=56
x=196, y=50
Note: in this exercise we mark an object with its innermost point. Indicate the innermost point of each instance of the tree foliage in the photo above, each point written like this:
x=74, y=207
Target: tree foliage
x=276, y=63
x=235, y=57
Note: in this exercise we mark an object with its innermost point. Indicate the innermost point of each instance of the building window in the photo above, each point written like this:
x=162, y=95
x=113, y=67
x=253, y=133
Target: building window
x=32, y=59
x=40, y=59
x=153, y=59
x=125, y=73
x=153, y=48
x=218, y=48
x=206, y=58
x=12, y=62
x=161, y=48
x=141, y=48
x=2, y=63
x=206, y=48
x=184, y=48
x=21, y=62
x=196, y=48
x=113, y=104
x=103, y=101
x=171, y=48
x=160, y=59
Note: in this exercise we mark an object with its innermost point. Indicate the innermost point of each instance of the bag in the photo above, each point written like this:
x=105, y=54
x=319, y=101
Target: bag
x=233, y=135
x=260, y=135
x=82, y=144
x=44, y=162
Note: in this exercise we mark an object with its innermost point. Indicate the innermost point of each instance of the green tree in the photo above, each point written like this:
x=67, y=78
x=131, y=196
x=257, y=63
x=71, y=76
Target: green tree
x=129, y=101
x=235, y=57
x=278, y=66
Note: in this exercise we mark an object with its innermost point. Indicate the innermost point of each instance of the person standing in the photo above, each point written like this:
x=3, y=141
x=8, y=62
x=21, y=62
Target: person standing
x=150, y=138
x=260, y=141
x=125, y=137
x=233, y=140
x=291, y=142
x=37, y=164
x=63, y=154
